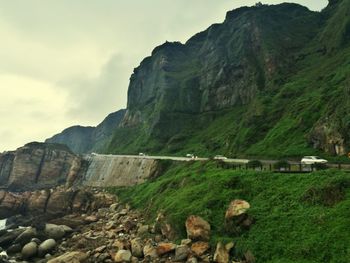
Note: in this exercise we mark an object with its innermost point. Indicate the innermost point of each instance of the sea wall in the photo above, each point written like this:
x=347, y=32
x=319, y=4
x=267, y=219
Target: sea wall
x=109, y=170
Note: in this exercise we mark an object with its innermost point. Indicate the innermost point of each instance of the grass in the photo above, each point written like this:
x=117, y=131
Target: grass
x=299, y=217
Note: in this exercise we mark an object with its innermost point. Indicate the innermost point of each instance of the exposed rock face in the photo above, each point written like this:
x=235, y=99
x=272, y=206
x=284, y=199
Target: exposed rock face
x=88, y=139
x=54, y=202
x=37, y=166
x=328, y=139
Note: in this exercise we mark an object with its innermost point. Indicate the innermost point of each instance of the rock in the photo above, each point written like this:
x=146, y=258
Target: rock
x=114, y=207
x=29, y=250
x=36, y=240
x=137, y=247
x=15, y=248
x=123, y=256
x=90, y=219
x=164, y=227
x=164, y=248
x=70, y=257
x=26, y=236
x=236, y=208
x=143, y=230
x=186, y=242
x=149, y=251
x=54, y=231
x=222, y=253
x=199, y=248
x=8, y=238
x=197, y=228
x=181, y=253
x=46, y=247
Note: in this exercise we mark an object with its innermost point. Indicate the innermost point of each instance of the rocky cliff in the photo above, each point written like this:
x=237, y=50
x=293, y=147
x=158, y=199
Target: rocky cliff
x=37, y=166
x=82, y=139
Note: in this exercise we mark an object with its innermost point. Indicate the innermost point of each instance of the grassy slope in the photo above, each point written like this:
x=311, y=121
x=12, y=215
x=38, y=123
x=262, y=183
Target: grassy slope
x=287, y=228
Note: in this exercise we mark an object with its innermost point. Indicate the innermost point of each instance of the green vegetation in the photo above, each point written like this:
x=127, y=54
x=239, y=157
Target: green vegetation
x=298, y=217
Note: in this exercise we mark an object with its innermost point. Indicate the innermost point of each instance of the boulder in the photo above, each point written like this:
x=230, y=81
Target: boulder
x=149, y=251
x=236, y=208
x=122, y=256
x=15, y=248
x=8, y=238
x=197, y=228
x=181, y=253
x=46, y=247
x=26, y=236
x=137, y=247
x=54, y=231
x=164, y=227
x=70, y=257
x=199, y=248
x=222, y=252
x=164, y=248
x=29, y=250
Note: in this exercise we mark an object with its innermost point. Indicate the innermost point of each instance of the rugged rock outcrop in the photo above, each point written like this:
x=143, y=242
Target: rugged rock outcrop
x=82, y=139
x=37, y=166
x=51, y=203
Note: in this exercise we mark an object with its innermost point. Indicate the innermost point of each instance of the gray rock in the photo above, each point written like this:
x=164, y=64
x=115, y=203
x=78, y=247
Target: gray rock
x=54, y=231
x=15, y=248
x=46, y=247
x=29, y=250
x=181, y=252
x=26, y=236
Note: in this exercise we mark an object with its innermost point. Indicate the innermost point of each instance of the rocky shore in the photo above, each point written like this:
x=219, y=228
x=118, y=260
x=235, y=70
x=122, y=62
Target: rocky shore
x=119, y=234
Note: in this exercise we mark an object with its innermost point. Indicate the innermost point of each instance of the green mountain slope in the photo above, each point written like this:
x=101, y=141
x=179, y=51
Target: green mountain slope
x=269, y=81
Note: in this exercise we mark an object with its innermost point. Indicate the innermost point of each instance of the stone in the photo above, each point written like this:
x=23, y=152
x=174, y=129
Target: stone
x=54, y=231
x=164, y=227
x=15, y=248
x=199, y=248
x=91, y=219
x=143, y=230
x=46, y=247
x=29, y=250
x=186, y=242
x=236, y=208
x=26, y=236
x=137, y=247
x=70, y=257
x=149, y=251
x=164, y=248
x=122, y=256
x=181, y=253
x=197, y=228
x=8, y=238
x=222, y=252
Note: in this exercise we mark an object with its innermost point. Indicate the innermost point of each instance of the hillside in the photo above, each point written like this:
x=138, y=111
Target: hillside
x=297, y=217
x=270, y=81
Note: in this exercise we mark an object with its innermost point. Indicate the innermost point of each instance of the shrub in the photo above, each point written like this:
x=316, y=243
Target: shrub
x=281, y=165
x=254, y=164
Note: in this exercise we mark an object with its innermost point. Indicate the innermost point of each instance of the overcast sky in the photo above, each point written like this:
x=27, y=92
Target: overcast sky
x=67, y=62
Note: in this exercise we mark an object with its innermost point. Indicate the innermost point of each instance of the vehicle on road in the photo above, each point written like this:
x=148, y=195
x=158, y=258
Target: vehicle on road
x=142, y=154
x=190, y=155
x=312, y=160
x=220, y=157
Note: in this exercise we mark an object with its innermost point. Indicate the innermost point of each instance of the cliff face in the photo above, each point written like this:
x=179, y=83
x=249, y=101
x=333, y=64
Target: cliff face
x=261, y=83
x=88, y=139
x=37, y=166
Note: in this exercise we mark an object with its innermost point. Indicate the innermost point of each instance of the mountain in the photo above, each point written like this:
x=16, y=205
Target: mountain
x=88, y=139
x=271, y=80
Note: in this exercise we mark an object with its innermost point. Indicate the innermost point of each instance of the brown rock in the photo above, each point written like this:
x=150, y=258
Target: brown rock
x=197, y=228
x=164, y=248
x=199, y=248
x=123, y=256
x=236, y=208
x=164, y=227
x=222, y=253
x=70, y=257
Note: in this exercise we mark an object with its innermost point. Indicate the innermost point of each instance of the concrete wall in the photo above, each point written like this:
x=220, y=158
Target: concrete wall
x=108, y=170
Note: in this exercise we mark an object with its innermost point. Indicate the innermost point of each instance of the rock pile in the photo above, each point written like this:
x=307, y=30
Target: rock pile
x=114, y=234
